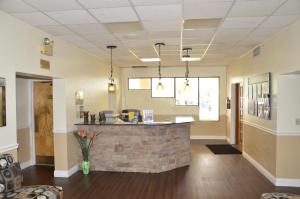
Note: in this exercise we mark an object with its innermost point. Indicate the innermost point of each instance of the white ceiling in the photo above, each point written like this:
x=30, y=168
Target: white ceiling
x=139, y=24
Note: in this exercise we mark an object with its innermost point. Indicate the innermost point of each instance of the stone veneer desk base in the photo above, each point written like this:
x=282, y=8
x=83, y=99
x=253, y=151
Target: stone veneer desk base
x=139, y=147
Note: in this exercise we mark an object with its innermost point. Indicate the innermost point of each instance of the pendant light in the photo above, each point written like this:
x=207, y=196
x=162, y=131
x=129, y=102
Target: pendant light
x=159, y=86
x=187, y=86
x=111, y=85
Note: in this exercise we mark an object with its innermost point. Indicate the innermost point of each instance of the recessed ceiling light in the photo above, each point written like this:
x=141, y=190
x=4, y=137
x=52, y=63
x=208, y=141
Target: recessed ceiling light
x=190, y=59
x=150, y=59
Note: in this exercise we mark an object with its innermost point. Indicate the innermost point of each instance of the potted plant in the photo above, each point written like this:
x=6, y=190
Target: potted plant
x=85, y=143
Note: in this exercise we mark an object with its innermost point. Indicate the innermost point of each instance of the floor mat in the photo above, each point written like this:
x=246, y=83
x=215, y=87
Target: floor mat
x=223, y=149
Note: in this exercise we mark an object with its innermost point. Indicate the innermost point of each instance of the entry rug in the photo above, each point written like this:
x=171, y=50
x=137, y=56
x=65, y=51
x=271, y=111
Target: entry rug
x=223, y=149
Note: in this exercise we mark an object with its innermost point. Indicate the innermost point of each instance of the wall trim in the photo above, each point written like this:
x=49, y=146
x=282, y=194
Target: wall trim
x=23, y=127
x=66, y=173
x=268, y=130
x=284, y=182
x=271, y=131
x=25, y=165
x=65, y=130
x=207, y=137
x=9, y=148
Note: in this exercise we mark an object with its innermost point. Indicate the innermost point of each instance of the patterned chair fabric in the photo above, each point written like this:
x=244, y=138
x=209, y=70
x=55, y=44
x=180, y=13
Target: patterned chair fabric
x=279, y=196
x=11, y=183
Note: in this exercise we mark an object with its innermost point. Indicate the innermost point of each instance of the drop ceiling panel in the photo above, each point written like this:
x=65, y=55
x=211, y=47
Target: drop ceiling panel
x=54, y=5
x=109, y=15
x=104, y=3
x=99, y=37
x=164, y=34
x=15, y=6
x=124, y=27
x=254, y=8
x=154, y=2
x=72, y=38
x=195, y=9
x=88, y=29
x=162, y=12
x=231, y=35
x=56, y=30
x=72, y=17
x=36, y=19
x=279, y=21
x=135, y=35
x=242, y=22
x=291, y=7
x=132, y=43
x=200, y=33
x=193, y=41
x=84, y=45
x=163, y=25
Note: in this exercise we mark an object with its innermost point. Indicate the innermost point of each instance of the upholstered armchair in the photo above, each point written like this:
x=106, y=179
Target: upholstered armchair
x=11, y=183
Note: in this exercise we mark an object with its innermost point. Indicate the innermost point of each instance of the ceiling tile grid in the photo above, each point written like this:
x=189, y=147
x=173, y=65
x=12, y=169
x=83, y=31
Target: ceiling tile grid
x=231, y=26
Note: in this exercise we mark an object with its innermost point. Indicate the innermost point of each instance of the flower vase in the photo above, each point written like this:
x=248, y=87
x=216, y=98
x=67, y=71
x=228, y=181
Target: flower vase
x=85, y=167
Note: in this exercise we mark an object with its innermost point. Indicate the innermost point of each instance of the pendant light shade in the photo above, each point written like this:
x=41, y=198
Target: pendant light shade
x=111, y=85
x=159, y=86
x=187, y=86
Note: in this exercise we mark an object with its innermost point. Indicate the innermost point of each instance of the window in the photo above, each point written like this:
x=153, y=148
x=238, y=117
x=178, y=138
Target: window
x=185, y=96
x=169, y=88
x=209, y=99
x=139, y=83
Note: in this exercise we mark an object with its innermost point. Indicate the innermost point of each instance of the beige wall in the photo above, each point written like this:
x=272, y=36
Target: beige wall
x=279, y=55
x=73, y=69
x=165, y=107
x=261, y=146
x=288, y=158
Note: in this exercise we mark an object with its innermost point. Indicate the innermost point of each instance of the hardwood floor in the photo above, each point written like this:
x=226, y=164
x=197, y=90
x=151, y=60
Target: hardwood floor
x=209, y=177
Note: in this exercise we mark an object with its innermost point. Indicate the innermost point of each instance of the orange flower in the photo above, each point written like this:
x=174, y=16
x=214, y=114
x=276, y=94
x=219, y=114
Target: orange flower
x=94, y=136
x=82, y=133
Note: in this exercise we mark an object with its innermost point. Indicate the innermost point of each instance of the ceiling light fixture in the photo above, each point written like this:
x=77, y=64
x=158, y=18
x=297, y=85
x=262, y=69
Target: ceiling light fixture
x=150, y=59
x=190, y=58
x=159, y=85
x=111, y=85
x=187, y=86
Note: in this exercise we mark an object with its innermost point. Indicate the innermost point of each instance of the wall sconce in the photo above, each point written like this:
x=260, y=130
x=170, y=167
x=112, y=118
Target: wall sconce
x=47, y=47
x=111, y=87
x=79, y=98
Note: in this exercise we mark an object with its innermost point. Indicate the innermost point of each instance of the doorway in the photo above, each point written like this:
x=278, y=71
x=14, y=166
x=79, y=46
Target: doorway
x=43, y=122
x=239, y=116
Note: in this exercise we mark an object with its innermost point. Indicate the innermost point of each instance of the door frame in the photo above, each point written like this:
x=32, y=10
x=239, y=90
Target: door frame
x=233, y=114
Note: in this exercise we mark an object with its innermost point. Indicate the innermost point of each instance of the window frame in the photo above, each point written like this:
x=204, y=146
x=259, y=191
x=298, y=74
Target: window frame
x=198, y=92
x=218, y=77
x=139, y=78
x=174, y=92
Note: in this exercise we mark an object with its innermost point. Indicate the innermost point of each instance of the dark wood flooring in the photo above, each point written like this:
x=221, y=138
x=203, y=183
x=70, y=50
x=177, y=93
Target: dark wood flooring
x=209, y=177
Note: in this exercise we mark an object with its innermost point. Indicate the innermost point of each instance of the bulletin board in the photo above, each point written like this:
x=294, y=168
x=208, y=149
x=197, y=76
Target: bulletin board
x=259, y=96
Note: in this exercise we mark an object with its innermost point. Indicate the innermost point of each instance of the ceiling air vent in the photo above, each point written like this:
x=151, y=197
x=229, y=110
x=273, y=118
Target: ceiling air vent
x=256, y=51
x=139, y=66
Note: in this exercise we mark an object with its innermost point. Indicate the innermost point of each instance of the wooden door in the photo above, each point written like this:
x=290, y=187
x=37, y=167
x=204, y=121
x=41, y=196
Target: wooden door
x=43, y=116
x=239, y=115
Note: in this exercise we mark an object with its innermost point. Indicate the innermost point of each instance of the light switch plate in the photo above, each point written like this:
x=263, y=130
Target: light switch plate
x=297, y=121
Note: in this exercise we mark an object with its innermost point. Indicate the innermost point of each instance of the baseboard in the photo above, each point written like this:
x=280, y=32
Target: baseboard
x=66, y=173
x=207, y=137
x=284, y=182
x=287, y=182
x=25, y=165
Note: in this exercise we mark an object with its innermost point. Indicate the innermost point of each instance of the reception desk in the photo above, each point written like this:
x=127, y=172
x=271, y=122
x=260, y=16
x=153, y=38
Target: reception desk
x=140, y=147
